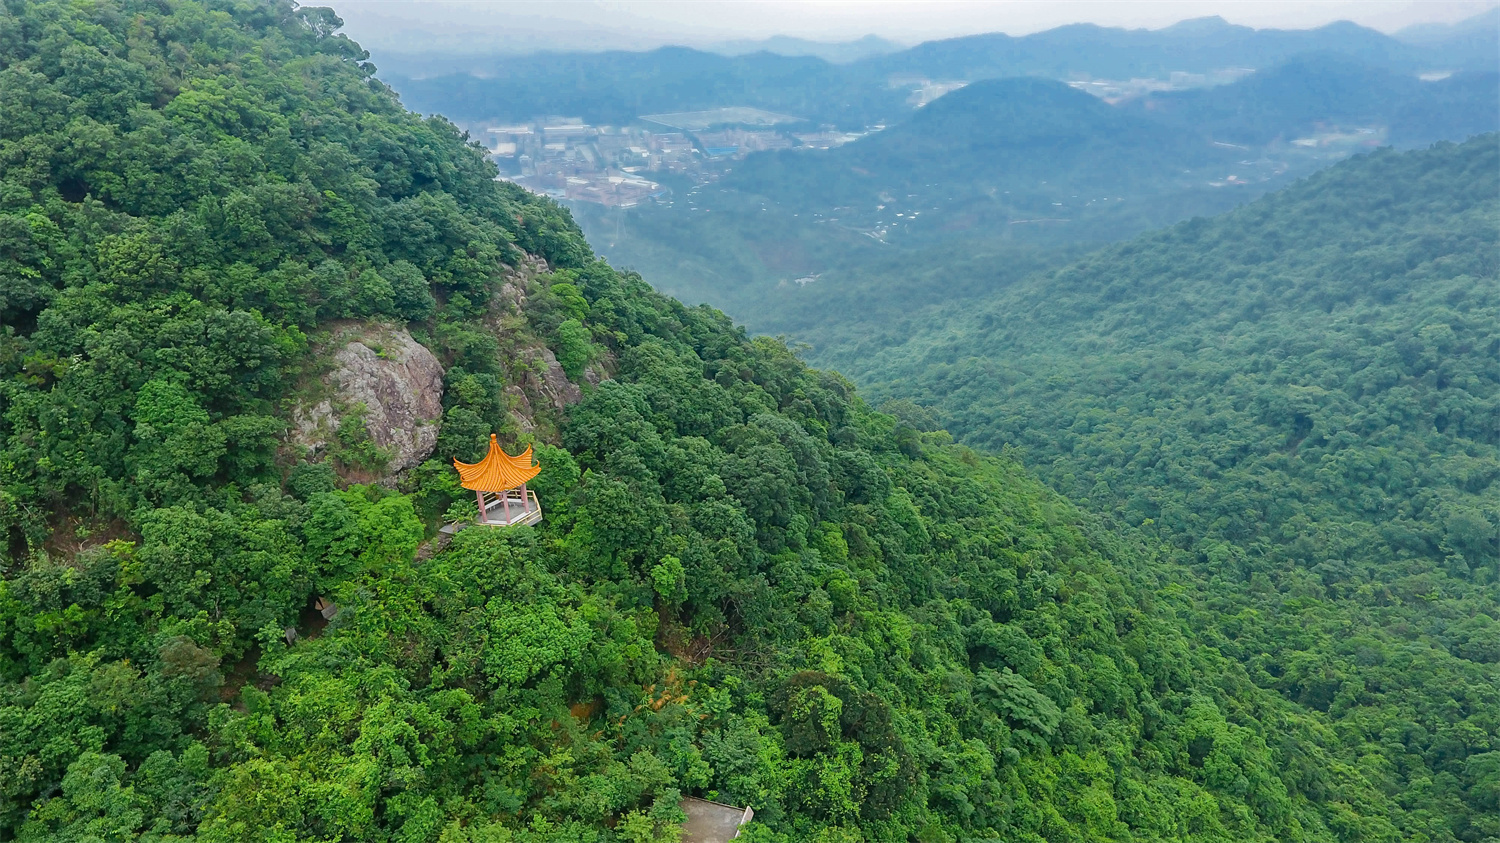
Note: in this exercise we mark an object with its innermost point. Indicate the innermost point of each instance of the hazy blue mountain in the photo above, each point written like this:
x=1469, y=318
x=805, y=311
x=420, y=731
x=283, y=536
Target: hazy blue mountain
x=837, y=52
x=1471, y=43
x=1197, y=45
x=1461, y=105
x=1330, y=90
x=1015, y=148
x=1437, y=34
x=616, y=87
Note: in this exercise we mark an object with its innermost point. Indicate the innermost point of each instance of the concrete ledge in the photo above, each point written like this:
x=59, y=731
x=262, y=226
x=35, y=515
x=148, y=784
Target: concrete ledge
x=712, y=822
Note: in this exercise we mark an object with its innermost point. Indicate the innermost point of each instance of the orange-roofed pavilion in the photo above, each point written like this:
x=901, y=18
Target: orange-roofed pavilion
x=502, y=475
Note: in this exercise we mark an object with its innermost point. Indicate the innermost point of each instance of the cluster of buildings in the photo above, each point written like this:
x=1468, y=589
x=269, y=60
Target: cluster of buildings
x=569, y=159
x=619, y=166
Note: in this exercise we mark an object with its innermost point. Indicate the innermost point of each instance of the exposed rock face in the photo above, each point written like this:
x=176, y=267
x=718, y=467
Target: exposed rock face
x=520, y=409
x=553, y=384
x=402, y=393
x=400, y=387
x=513, y=291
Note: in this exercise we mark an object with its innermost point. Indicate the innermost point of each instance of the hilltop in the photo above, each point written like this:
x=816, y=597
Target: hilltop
x=835, y=52
x=232, y=259
x=1020, y=144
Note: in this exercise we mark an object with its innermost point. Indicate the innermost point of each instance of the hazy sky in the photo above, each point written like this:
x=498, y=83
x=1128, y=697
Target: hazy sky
x=641, y=24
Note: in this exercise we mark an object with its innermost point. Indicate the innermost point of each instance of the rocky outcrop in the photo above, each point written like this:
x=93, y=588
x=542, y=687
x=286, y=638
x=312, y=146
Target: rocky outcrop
x=396, y=381
x=512, y=292
x=538, y=384
x=547, y=378
x=520, y=409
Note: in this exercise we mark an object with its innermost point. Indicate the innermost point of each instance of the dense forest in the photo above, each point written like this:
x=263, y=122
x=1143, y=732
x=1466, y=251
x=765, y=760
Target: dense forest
x=749, y=586
x=1300, y=402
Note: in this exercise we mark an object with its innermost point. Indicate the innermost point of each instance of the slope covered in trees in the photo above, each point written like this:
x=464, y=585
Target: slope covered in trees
x=1300, y=400
x=748, y=586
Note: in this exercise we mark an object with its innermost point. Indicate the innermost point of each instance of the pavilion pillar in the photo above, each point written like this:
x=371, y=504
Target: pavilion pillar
x=525, y=499
x=505, y=502
x=479, y=496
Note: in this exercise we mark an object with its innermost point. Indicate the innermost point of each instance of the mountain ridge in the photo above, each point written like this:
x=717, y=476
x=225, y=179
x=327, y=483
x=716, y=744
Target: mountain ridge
x=857, y=99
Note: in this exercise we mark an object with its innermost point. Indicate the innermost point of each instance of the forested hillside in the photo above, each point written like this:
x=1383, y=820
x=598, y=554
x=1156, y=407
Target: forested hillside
x=748, y=585
x=1300, y=401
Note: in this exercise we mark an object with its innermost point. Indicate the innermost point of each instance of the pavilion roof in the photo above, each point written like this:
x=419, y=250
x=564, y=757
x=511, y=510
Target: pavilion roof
x=498, y=470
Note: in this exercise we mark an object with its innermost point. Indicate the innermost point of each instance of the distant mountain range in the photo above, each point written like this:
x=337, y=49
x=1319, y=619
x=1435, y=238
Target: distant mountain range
x=1328, y=89
x=616, y=87
x=1470, y=43
x=1193, y=46
x=835, y=52
x=801, y=77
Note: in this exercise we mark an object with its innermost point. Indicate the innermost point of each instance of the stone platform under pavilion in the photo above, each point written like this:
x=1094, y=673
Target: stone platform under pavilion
x=520, y=513
x=519, y=508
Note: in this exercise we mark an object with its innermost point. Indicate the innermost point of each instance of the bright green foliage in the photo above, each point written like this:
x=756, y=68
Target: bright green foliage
x=1300, y=401
x=574, y=348
x=177, y=208
x=748, y=585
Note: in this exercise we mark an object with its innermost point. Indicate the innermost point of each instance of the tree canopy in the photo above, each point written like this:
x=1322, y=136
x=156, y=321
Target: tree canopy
x=749, y=586
x=1300, y=401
